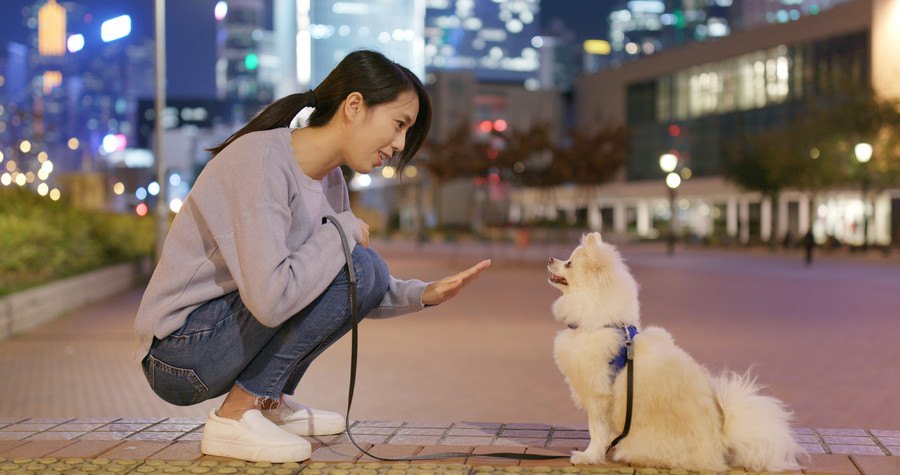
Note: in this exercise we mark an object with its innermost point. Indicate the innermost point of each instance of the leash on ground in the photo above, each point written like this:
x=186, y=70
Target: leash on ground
x=351, y=274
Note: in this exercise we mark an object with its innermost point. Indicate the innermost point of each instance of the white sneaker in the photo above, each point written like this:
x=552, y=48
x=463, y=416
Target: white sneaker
x=301, y=420
x=253, y=438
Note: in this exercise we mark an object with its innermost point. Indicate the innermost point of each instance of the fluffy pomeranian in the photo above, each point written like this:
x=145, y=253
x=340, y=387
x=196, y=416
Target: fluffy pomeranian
x=683, y=417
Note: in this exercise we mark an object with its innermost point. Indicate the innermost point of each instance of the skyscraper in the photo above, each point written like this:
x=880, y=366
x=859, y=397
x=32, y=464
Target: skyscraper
x=244, y=50
x=497, y=40
x=642, y=27
x=327, y=30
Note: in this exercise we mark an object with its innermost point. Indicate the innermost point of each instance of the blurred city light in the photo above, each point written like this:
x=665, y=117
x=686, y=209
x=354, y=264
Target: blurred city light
x=410, y=171
x=54, y=194
x=251, y=61
x=25, y=146
x=668, y=162
x=21, y=180
x=73, y=143
x=153, y=188
x=42, y=157
x=75, y=43
x=43, y=189
x=175, y=179
x=119, y=188
x=485, y=126
x=175, y=205
x=388, y=172
x=601, y=47
x=500, y=125
x=814, y=153
x=6, y=179
x=141, y=193
x=363, y=180
x=863, y=152
x=686, y=173
x=141, y=209
x=673, y=180
x=116, y=28
x=221, y=10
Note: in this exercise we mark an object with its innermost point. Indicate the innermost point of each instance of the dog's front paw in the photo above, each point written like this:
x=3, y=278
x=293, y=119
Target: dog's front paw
x=586, y=458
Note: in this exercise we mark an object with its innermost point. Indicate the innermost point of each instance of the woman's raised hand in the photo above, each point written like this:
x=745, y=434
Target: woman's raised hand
x=442, y=290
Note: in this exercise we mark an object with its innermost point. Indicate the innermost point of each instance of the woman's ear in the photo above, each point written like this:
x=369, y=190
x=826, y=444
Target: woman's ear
x=354, y=106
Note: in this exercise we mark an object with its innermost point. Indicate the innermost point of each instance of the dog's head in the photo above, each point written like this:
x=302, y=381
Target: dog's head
x=596, y=285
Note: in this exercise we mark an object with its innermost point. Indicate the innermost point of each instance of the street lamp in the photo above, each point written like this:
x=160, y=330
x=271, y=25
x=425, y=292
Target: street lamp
x=863, y=152
x=668, y=162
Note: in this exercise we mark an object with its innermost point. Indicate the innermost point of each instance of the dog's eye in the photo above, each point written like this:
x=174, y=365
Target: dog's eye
x=568, y=264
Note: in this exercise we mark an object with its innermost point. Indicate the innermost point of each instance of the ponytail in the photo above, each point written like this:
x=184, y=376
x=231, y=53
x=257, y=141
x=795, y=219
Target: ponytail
x=276, y=115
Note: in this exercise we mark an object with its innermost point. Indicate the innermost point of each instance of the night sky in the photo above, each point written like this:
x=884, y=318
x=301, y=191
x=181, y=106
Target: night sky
x=190, y=32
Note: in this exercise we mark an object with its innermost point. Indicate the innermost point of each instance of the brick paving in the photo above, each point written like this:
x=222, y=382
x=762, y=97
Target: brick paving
x=840, y=451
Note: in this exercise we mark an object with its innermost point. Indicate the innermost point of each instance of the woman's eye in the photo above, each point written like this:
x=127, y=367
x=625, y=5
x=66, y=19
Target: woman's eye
x=399, y=125
x=568, y=264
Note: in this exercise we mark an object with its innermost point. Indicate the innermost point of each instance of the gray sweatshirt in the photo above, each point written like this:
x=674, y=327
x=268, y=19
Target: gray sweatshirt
x=253, y=223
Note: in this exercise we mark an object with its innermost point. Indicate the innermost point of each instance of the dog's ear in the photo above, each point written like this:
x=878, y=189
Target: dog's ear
x=591, y=239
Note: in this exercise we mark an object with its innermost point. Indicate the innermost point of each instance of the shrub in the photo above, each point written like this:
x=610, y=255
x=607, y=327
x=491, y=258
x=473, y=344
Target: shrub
x=42, y=240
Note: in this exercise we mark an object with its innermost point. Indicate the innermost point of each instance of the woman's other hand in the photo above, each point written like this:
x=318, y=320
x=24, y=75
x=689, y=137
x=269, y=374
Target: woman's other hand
x=364, y=231
x=442, y=290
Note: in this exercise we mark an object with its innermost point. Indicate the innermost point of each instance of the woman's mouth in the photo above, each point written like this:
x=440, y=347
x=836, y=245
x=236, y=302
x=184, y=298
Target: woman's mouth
x=382, y=158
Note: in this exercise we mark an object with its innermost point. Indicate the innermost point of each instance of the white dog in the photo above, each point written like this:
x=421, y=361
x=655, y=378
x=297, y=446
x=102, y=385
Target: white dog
x=683, y=417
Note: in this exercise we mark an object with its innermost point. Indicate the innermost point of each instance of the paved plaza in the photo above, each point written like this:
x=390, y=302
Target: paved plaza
x=823, y=339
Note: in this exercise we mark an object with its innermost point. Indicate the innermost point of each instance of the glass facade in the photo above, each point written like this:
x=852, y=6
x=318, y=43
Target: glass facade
x=696, y=111
x=335, y=28
x=497, y=40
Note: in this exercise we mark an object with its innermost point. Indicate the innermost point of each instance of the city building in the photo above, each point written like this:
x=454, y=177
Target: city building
x=246, y=64
x=643, y=27
x=752, y=13
x=326, y=31
x=690, y=99
x=497, y=41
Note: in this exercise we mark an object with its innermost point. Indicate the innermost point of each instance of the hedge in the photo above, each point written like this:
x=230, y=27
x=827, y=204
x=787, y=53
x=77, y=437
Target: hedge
x=43, y=240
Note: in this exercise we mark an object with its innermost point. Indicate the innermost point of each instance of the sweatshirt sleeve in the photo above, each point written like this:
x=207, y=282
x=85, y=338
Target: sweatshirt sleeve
x=403, y=296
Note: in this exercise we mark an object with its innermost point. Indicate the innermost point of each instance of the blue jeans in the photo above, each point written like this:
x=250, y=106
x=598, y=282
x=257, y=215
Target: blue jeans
x=222, y=344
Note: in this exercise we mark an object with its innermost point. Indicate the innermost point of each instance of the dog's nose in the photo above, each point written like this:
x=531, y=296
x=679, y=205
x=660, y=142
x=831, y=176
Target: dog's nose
x=550, y=261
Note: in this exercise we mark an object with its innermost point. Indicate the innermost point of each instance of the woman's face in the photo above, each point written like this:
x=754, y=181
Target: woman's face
x=379, y=132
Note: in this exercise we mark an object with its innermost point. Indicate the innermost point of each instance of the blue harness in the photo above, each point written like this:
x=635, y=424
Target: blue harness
x=618, y=363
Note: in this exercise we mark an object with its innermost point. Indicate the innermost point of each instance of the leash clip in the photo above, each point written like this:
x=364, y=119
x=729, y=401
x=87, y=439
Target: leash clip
x=629, y=349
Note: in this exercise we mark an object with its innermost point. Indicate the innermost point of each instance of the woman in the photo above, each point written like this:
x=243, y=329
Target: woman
x=251, y=285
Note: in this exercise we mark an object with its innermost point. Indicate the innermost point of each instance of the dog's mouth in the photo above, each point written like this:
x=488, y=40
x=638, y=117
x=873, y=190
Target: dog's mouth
x=555, y=279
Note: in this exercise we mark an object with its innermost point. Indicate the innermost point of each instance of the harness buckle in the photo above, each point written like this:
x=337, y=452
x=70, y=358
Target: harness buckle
x=629, y=349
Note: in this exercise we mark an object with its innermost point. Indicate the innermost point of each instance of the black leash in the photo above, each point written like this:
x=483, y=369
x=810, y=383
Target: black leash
x=629, y=399
x=353, y=357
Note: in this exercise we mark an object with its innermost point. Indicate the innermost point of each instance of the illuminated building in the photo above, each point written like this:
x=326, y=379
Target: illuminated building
x=697, y=99
x=327, y=30
x=245, y=50
x=495, y=40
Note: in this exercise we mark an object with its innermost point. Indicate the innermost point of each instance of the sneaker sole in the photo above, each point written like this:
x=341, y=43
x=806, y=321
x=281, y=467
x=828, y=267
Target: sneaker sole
x=255, y=453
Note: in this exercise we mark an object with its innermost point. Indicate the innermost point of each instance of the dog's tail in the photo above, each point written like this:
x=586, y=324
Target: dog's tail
x=756, y=428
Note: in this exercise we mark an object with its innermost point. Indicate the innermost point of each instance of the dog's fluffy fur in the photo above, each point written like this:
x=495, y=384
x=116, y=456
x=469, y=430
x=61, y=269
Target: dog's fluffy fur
x=683, y=417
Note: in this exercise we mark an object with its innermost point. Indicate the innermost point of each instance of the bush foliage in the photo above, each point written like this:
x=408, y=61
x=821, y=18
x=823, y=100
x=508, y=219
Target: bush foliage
x=43, y=240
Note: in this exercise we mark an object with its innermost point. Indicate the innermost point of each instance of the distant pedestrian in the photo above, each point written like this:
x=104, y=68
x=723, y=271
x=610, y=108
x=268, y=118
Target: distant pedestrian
x=251, y=286
x=809, y=244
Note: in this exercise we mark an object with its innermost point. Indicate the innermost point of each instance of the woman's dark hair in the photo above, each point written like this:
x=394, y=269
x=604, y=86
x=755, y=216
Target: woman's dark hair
x=369, y=73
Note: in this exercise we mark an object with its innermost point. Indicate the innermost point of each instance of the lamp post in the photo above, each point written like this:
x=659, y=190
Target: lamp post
x=863, y=152
x=668, y=162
